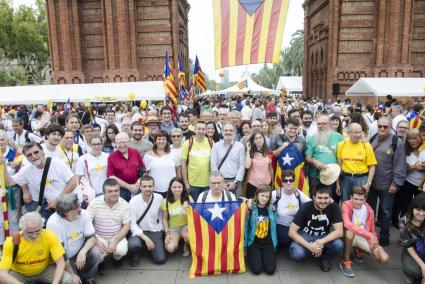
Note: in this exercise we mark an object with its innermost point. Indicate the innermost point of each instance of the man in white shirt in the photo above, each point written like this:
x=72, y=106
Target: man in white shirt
x=146, y=223
x=54, y=133
x=59, y=179
x=75, y=230
x=231, y=165
x=22, y=136
x=218, y=191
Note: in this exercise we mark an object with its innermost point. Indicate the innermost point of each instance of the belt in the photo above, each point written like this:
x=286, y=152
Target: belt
x=354, y=175
x=230, y=178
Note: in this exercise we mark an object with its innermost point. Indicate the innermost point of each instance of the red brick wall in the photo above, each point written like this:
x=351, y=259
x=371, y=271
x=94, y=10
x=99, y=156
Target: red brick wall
x=94, y=41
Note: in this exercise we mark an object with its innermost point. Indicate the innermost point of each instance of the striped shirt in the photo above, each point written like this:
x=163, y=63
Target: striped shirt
x=108, y=221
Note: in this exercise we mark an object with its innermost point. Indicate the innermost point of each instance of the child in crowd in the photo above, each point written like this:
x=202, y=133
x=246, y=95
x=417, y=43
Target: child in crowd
x=412, y=234
x=174, y=216
x=260, y=233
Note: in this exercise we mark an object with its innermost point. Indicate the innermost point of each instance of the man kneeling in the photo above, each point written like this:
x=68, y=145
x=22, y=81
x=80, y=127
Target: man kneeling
x=76, y=232
x=360, y=232
x=315, y=219
x=29, y=255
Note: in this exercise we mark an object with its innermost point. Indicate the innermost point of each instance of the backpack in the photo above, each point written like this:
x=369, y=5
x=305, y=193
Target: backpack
x=279, y=196
x=393, y=142
x=191, y=144
x=16, y=240
x=228, y=196
x=27, y=138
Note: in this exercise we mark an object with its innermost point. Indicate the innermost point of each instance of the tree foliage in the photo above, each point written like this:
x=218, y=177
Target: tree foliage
x=290, y=63
x=23, y=44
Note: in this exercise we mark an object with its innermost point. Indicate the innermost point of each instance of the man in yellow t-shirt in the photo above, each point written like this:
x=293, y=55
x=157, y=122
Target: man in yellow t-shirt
x=37, y=251
x=196, y=161
x=357, y=161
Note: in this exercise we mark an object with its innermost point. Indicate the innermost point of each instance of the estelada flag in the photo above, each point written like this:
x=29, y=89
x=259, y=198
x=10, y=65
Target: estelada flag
x=291, y=159
x=248, y=31
x=216, y=237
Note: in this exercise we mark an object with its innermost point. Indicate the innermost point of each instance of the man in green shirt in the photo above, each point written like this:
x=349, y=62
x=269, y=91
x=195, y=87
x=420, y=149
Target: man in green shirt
x=321, y=150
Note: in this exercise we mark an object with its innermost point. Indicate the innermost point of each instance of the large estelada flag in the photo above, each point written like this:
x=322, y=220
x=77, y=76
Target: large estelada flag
x=291, y=159
x=216, y=236
x=248, y=31
x=169, y=83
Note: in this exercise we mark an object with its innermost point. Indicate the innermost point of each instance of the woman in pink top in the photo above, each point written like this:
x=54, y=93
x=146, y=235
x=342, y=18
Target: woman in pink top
x=257, y=161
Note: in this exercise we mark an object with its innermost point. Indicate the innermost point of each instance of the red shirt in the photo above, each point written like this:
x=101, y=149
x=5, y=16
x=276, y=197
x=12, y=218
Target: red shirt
x=125, y=169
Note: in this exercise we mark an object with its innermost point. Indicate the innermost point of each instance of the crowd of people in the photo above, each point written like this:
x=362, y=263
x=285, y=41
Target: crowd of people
x=115, y=180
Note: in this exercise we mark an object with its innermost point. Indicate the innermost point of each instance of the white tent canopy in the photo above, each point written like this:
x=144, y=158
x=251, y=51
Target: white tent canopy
x=252, y=87
x=381, y=87
x=292, y=84
x=99, y=92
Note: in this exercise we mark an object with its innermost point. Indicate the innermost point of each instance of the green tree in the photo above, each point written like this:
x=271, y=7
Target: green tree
x=24, y=43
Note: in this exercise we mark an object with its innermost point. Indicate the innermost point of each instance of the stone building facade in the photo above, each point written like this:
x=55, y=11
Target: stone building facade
x=95, y=41
x=349, y=39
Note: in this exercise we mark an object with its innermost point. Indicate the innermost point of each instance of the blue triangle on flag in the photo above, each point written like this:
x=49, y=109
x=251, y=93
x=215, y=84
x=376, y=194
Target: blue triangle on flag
x=251, y=6
x=216, y=214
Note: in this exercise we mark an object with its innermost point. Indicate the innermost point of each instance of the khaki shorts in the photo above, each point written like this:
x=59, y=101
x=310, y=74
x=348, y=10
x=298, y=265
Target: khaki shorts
x=361, y=243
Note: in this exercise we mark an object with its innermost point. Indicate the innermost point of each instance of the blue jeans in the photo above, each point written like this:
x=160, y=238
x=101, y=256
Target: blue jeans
x=386, y=201
x=282, y=235
x=125, y=194
x=330, y=250
x=195, y=191
x=347, y=183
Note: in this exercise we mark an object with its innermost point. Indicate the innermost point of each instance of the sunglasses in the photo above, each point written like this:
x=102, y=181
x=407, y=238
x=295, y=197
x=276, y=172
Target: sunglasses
x=288, y=180
x=176, y=136
x=383, y=126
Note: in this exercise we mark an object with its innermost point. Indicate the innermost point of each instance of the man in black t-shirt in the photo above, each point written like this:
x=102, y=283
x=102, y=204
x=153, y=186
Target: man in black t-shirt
x=311, y=229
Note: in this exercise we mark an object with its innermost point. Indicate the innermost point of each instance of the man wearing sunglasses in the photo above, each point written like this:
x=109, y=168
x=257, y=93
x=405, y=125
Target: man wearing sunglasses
x=389, y=176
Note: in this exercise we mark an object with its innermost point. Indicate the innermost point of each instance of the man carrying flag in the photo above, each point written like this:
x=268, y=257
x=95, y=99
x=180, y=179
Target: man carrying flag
x=216, y=231
x=198, y=76
x=169, y=83
x=288, y=148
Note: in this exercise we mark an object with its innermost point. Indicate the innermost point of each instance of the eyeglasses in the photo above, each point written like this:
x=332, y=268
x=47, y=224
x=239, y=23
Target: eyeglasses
x=288, y=180
x=33, y=233
x=383, y=126
x=96, y=144
x=402, y=127
x=35, y=153
x=176, y=136
x=111, y=133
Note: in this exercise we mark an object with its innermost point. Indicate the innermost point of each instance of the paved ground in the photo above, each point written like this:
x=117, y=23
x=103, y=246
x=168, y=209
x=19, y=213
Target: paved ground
x=175, y=270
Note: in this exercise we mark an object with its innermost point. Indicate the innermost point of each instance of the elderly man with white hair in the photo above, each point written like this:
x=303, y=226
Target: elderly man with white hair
x=27, y=256
x=125, y=165
x=75, y=230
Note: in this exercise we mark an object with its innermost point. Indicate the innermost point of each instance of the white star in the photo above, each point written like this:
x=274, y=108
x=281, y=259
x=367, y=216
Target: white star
x=261, y=218
x=287, y=159
x=217, y=212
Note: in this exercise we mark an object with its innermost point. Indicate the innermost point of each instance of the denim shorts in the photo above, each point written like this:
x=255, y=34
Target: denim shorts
x=177, y=229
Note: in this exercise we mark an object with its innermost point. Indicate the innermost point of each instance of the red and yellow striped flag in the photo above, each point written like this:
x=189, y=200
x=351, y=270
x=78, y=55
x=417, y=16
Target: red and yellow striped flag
x=248, y=31
x=216, y=236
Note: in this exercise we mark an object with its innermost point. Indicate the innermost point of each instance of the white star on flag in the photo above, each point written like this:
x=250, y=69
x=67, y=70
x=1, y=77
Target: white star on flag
x=287, y=159
x=261, y=218
x=217, y=212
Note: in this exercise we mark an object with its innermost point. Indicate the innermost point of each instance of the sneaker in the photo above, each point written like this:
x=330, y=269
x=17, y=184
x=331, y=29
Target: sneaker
x=134, y=259
x=346, y=268
x=117, y=263
x=325, y=265
x=358, y=255
x=384, y=242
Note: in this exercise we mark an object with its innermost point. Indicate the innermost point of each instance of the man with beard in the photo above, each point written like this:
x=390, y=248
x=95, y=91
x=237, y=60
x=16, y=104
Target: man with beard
x=75, y=230
x=275, y=128
x=321, y=150
x=137, y=141
x=308, y=124
x=311, y=230
x=281, y=141
x=184, y=126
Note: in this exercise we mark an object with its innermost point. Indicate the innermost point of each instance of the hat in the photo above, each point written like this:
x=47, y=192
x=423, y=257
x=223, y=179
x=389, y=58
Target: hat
x=151, y=120
x=329, y=175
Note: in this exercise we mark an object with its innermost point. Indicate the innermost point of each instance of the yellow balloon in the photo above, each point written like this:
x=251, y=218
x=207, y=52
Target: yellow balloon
x=132, y=96
x=143, y=104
